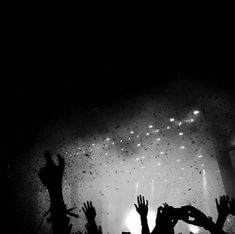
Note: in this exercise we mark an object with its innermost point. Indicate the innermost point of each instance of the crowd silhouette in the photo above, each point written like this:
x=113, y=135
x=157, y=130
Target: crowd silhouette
x=167, y=216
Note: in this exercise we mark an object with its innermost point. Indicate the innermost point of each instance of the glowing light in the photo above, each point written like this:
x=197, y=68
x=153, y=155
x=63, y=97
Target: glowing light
x=131, y=132
x=122, y=149
x=178, y=160
x=182, y=147
x=203, y=165
x=194, y=229
x=158, y=139
x=191, y=120
x=200, y=156
x=129, y=138
x=165, y=180
x=106, y=153
x=172, y=119
x=137, y=185
x=143, y=167
x=150, y=126
x=180, y=178
x=147, y=134
x=168, y=127
x=108, y=139
x=196, y=112
x=181, y=133
x=180, y=123
x=133, y=223
x=93, y=144
x=138, y=136
x=112, y=143
x=162, y=152
x=143, y=157
x=120, y=140
x=137, y=159
x=159, y=164
x=138, y=145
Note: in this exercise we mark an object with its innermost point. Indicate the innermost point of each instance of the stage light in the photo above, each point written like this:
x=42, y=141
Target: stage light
x=107, y=139
x=196, y=112
x=120, y=140
x=133, y=223
x=181, y=133
x=112, y=143
x=147, y=134
x=137, y=158
x=158, y=139
x=200, y=156
x=150, y=126
x=138, y=145
x=178, y=160
x=143, y=157
x=122, y=149
x=191, y=120
x=106, y=153
x=138, y=136
x=93, y=144
x=172, y=119
x=159, y=164
x=182, y=147
x=168, y=127
x=194, y=229
x=180, y=123
x=162, y=152
x=131, y=132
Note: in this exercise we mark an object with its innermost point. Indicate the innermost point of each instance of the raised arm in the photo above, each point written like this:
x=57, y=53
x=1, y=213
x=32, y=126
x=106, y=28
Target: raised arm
x=223, y=210
x=51, y=176
x=142, y=209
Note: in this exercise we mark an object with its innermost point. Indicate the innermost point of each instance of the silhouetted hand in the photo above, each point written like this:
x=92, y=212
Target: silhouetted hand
x=196, y=217
x=89, y=211
x=142, y=207
x=232, y=206
x=51, y=175
x=223, y=205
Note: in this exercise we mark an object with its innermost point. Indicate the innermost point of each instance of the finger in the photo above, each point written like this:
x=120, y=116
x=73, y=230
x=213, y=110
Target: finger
x=85, y=207
x=147, y=202
x=61, y=161
x=143, y=200
x=48, y=158
x=217, y=203
x=138, y=200
x=84, y=210
x=88, y=205
x=136, y=207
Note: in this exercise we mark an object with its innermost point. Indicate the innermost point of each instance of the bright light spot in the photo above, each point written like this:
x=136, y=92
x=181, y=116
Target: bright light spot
x=181, y=133
x=120, y=140
x=137, y=158
x=143, y=166
x=158, y=139
x=112, y=143
x=182, y=147
x=191, y=120
x=122, y=149
x=93, y=144
x=147, y=134
x=106, y=153
x=178, y=160
x=162, y=152
x=138, y=136
x=107, y=139
x=137, y=185
x=194, y=229
x=143, y=157
x=165, y=180
x=203, y=165
x=131, y=132
x=172, y=119
x=150, y=126
x=138, y=145
x=133, y=223
x=168, y=127
x=200, y=156
x=196, y=112
x=159, y=164
x=129, y=138
x=180, y=178
x=180, y=123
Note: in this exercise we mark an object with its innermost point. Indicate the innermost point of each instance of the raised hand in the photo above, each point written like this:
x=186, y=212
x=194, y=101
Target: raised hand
x=142, y=207
x=195, y=217
x=51, y=175
x=232, y=206
x=222, y=205
x=89, y=211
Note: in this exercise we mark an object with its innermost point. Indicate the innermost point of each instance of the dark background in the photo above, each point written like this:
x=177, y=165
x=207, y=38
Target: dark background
x=51, y=68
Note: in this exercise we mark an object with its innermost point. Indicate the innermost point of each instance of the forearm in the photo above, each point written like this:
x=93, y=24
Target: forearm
x=144, y=224
x=220, y=221
x=214, y=229
x=60, y=223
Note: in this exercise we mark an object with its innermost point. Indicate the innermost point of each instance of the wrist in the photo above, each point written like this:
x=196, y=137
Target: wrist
x=143, y=219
